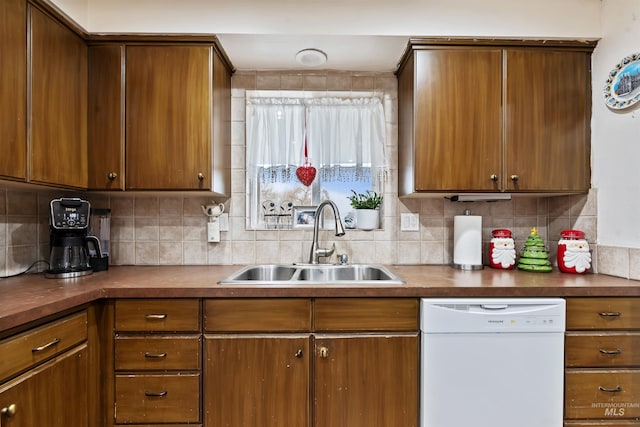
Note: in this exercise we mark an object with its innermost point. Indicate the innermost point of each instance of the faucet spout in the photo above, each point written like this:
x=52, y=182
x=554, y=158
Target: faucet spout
x=317, y=252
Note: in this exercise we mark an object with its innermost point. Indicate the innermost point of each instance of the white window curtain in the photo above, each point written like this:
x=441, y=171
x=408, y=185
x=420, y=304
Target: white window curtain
x=275, y=136
x=347, y=133
x=341, y=133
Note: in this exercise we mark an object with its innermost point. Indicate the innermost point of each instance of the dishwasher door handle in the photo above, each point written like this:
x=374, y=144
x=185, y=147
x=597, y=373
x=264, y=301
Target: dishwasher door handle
x=494, y=306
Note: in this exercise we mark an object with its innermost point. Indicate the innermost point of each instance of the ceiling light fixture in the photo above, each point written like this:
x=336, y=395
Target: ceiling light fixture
x=311, y=57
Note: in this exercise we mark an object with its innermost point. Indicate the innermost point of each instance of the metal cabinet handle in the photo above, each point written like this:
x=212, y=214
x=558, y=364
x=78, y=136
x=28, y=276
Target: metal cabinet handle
x=155, y=394
x=201, y=176
x=618, y=389
x=298, y=353
x=616, y=351
x=324, y=352
x=610, y=314
x=155, y=316
x=46, y=346
x=155, y=355
x=9, y=411
x=515, y=178
x=494, y=177
x=112, y=176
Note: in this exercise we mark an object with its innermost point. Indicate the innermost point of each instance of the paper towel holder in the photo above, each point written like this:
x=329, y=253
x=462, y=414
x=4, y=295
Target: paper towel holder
x=476, y=262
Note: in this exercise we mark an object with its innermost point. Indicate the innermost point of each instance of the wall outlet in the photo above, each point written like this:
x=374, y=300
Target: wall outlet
x=409, y=222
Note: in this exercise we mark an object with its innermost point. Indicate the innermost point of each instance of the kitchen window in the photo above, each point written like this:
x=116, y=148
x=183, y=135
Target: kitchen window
x=343, y=137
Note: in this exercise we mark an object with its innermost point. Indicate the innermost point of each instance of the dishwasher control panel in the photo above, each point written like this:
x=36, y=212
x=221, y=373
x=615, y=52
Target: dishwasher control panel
x=493, y=315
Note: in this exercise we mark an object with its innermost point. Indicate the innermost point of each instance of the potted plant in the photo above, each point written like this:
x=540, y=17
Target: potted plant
x=367, y=206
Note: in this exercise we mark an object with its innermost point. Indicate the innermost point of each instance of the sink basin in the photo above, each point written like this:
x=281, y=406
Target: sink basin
x=264, y=273
x=312, y=274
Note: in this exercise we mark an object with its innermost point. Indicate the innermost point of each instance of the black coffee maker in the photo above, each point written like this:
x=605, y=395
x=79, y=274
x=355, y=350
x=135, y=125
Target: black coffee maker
x=69, y=239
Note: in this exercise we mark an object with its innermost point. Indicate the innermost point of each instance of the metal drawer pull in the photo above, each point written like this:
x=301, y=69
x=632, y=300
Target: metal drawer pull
x=46, y=346
x=155, y=316
x=610, y=314
x=155, y=355
x=9, y=411
x=618, y=389
x=616, y=351
x=153, y=394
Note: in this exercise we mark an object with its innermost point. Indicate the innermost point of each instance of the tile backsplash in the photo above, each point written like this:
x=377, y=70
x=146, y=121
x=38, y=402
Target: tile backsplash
x=170, y=229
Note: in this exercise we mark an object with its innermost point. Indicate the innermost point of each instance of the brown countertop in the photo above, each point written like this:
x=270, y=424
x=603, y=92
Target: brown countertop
x=28, y=298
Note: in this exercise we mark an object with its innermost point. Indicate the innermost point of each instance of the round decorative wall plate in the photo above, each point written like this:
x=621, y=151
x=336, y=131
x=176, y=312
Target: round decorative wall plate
x=622, y=88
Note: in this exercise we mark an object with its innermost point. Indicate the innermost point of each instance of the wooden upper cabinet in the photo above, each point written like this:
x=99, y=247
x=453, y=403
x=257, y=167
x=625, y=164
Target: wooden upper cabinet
x=548, y=113
x=13, y=89
x=168, y=117
x=484, y=118
x=58, y=103
x=457, y=119
x=106, y=117
x=221, y=174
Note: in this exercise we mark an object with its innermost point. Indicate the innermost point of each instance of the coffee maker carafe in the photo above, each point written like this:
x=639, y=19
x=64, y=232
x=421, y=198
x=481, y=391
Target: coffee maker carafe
x=69, y=238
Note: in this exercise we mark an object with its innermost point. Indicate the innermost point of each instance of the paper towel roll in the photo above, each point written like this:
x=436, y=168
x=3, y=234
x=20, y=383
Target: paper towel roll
x=467, y=242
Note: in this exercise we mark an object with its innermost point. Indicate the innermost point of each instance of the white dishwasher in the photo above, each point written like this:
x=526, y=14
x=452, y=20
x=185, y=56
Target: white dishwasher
x=492, y=362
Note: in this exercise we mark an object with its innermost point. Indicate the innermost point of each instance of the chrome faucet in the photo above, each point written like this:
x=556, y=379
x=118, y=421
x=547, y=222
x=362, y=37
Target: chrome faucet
x=317, y=252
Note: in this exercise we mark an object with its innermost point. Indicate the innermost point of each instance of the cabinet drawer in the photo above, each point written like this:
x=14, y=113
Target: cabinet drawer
x=608, y=394
x=29, y=348
x=158, y=315
x=366, y=314
x=246, y=315
x=602, y=349
x=602, y=423
x=158, y=398
x=156, y=353
x=603, y=313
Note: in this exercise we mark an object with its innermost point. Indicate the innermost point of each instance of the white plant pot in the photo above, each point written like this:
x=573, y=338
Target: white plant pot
x=367, y=219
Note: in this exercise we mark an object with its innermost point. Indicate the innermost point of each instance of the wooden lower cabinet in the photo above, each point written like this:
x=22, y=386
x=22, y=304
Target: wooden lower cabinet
x=258, y=381
x=602, y=358
x=302, y=362
x=158, y=398
x=53, y=394
x=157, y=359
x=602, y=423
x=366, y=380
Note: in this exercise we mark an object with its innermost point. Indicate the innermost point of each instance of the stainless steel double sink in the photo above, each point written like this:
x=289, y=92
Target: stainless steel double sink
x=313, y=274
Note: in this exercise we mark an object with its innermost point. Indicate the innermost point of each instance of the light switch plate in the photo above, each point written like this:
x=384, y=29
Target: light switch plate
x=224, y=222
x=409, y=222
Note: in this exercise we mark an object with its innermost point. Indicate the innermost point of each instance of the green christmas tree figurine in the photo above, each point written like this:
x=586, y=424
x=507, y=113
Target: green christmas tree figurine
x=534, y=255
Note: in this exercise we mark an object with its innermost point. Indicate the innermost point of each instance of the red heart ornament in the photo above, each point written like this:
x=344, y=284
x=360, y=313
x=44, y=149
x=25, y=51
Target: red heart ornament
x=306, y=174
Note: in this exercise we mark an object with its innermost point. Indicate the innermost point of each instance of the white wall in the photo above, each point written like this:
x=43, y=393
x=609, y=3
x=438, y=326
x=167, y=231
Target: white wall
x=616, y=134
x=77, y=10
x=498, y=18
x=615, y=140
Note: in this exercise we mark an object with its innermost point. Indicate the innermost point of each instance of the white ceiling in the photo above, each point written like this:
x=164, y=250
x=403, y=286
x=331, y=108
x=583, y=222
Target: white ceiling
x=356, y=35
x=269, y=52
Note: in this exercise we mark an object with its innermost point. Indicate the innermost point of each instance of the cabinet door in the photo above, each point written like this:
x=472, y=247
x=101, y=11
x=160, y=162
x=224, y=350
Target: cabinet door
x=52, y=395
x=366, y=380
x=168, y=117
x=13, y=89
x=58, y=103
x=548, y=99
x=457, y=119
x=106, y=117
x=256, y=381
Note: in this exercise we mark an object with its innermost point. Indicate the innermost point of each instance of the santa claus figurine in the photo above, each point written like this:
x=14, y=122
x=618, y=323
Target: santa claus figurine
x=502, y=250
x=574, y=255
